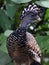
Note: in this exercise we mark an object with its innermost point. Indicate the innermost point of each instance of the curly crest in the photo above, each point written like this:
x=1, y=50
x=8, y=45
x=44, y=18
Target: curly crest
x=32, y=8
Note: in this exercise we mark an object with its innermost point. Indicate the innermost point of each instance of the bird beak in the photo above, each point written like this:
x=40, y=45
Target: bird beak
x=38, y=18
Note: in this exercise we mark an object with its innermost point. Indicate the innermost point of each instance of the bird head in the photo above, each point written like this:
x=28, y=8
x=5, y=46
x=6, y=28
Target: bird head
x=30, y=15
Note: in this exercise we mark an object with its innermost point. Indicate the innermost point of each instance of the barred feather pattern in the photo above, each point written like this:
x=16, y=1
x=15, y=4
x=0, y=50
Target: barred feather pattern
x=30, y=47
x=34, y=48
x=33, y=44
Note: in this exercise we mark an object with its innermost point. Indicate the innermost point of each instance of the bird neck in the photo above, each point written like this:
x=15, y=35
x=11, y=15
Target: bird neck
x=22, y=31
x=21, y=35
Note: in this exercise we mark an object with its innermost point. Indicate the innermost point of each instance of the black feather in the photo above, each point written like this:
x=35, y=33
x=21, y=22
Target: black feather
x=18, y=36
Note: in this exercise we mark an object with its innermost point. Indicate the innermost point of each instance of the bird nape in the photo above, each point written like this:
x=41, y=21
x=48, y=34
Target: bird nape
x=21, y=45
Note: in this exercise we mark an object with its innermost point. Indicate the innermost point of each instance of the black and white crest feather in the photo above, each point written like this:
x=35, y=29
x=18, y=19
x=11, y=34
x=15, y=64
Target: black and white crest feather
x=31, y=8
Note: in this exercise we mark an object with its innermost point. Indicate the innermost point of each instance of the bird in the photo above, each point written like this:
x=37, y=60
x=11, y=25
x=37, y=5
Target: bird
x=21, y=45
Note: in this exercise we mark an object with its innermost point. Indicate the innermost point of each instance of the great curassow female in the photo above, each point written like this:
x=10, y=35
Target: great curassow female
x=22, y=46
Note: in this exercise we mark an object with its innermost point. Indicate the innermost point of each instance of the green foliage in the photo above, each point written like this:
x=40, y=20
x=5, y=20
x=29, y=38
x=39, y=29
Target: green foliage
x=5, y=22
x=3, y=43
x=43, y=3
x=8, y=32
x=4, y=58
x=43, y=42
x=21, y=1
x=11, y=9
x=46, y=15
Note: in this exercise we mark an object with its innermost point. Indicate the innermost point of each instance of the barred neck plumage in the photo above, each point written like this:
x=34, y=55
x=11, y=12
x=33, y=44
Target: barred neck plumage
x=21, y=30
x=21, y=35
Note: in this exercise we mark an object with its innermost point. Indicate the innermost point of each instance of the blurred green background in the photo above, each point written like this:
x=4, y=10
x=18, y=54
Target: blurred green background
x=10, y=11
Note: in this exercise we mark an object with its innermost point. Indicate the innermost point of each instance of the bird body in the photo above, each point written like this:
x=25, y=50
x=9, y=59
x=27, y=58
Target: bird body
x=22, y=46
x=22, y=53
